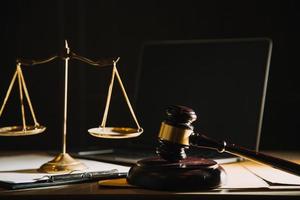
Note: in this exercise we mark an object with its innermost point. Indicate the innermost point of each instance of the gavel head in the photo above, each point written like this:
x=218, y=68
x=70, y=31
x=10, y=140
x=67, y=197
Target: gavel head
x=171, y=171
x=174, y=133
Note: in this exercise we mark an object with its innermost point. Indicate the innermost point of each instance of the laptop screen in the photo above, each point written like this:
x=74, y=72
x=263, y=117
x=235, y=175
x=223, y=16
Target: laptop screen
x=224, y=81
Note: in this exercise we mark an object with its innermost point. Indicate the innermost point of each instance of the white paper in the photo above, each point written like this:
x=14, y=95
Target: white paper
x=240, y=178
x=273, y=175
x=23, y=168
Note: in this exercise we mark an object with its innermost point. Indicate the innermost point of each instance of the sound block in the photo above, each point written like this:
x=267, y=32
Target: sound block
x=189, y=174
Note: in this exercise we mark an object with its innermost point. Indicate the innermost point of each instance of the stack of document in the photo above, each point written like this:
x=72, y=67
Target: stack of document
x=276, y=179
x=20, y=171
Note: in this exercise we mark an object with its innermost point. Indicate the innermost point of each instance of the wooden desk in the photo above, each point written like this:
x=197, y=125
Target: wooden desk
x=93, y=191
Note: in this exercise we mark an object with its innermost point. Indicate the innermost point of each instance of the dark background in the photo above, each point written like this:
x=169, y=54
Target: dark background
x=37, y=29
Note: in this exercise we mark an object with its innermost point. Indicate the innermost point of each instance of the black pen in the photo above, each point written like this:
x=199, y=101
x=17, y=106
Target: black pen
x=70, y=178
x=86, y=176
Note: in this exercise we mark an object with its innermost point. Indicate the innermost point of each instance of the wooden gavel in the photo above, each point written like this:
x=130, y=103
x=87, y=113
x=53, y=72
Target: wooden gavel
x=176, y=134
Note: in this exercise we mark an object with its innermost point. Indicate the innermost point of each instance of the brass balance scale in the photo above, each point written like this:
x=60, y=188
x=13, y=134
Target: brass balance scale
x=63, y=162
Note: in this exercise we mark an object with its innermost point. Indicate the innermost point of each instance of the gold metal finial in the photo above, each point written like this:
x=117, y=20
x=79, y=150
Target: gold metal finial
x=67, y=47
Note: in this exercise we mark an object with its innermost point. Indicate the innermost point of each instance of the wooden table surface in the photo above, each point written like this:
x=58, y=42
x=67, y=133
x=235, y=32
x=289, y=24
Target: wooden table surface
x=94, y=191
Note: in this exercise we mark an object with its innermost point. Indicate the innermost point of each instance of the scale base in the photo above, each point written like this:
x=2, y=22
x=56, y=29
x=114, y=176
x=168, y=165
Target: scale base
x=62, y=163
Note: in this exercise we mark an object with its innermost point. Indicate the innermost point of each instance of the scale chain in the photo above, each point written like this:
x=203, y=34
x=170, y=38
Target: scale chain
x=126, y=97
x=110, y=88
x=21, y=98
x=115, y=72
x=8, y=92
x=28, y=98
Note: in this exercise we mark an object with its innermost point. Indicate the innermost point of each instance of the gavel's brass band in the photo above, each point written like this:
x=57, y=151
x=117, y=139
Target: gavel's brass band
x=174, y=134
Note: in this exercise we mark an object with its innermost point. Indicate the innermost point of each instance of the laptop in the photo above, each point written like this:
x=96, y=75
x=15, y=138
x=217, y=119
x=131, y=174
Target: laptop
x=223, y=80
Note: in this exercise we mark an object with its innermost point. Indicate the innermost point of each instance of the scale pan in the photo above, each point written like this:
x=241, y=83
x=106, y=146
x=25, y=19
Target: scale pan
x=115, y=132
x=18, y=130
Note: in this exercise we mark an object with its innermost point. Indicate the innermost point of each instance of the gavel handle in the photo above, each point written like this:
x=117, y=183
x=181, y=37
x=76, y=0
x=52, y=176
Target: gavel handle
x=201, y=140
